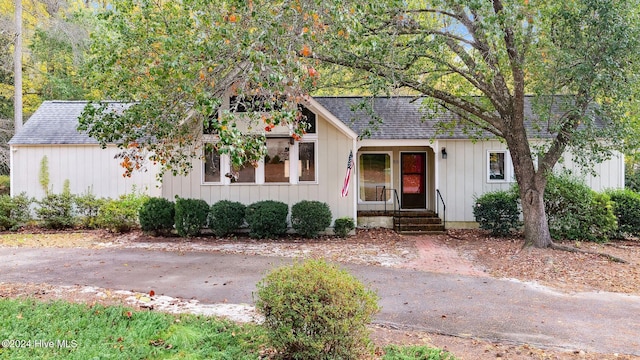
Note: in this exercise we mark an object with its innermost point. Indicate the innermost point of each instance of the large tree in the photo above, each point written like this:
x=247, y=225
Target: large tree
x=480, y=58
x=176, y=61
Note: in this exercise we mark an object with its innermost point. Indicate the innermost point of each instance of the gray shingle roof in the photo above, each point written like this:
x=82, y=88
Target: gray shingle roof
x=55, y=122
x=404, y=118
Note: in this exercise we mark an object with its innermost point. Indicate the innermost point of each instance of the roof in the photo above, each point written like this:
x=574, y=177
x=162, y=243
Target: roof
x=404, y=117
x=55, y=122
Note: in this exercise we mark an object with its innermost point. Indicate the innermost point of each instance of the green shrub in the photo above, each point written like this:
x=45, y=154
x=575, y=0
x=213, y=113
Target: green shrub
x=56, y=210
x=15, y=211
x=157, y=215
x=309, y=218
x=576, y=212
x=21, y=211
x=226, y=217
x=498, y=212
x=191, y=216
x=267, y=219
x=343, y=226
x=415, y=352
x=87, y=209
x=121, y=215
x=626, y=207
x=314, y=310
x=5, y=185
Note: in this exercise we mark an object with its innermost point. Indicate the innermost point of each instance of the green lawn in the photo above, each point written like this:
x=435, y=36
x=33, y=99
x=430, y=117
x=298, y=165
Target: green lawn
x=30, y=329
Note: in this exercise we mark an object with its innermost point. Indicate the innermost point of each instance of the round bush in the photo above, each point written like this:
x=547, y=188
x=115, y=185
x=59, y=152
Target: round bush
x=576, y=212
x=191, y=216
x=626, y=207
x=343, y=226
x=157, y=215
x=498, y=212
x=267, y=219
x=314, y=310
x=226, y=216
x=308, y=218
x=121, y=215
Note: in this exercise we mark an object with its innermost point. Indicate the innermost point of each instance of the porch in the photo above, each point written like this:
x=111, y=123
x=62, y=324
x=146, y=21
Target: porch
x=403, y=221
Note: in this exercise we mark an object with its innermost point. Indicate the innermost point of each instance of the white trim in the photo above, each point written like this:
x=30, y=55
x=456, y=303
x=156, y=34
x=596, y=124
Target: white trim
x=395, y=143
x=315, y=106
x=357, y=163
x=508, y=167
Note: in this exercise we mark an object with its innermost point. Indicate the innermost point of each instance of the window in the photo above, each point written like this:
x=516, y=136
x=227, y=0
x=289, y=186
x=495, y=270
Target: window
x=499, y=168
x=308, y=118
x=212, y=168
x=276, y=162
x=375, y=176
x=245, y=174
x=307, y=161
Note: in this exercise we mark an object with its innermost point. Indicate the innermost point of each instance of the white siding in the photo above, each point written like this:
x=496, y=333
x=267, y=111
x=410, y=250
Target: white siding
x=463, y=175
x=332, y=149
x=87, y=167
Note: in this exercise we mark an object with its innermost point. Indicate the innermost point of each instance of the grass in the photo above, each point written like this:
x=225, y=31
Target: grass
x=60, y=240
x=63, y=330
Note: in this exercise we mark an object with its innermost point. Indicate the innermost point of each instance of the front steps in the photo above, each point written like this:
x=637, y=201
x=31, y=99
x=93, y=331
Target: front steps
x=409, y=221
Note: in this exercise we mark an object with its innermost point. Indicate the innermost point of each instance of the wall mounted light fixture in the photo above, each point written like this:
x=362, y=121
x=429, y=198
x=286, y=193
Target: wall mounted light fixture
x=444, y=153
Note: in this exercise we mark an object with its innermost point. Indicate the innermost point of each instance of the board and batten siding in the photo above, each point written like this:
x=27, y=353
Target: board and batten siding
x=463, y=176
x=88, y=168
x=332, y=149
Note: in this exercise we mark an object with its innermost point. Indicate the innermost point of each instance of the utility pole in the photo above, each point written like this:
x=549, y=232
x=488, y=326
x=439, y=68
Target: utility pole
x=17, y=69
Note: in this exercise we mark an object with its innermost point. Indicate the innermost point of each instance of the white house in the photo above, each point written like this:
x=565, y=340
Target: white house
x=401, y=165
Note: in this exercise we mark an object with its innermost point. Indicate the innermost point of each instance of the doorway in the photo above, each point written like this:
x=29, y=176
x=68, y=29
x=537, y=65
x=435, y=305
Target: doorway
x=413, y=180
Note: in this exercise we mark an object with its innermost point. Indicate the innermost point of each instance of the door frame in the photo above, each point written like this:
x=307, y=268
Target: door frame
x=423, y=202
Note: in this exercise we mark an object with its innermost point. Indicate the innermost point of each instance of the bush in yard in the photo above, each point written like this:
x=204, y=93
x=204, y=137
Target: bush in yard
x=313, y=310
x=343, y=226
x=309, y=218
x=87, y=209
x=498, y=212
x=121, y=215
x=56, y=210
x=626, y=207
x=191, y=216
x=267, y=219
x=157, y=215
x=15, y=211
x=576, y=212
x=226, y=217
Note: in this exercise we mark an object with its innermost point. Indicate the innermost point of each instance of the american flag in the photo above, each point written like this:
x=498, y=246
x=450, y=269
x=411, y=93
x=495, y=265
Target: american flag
x=347, y=176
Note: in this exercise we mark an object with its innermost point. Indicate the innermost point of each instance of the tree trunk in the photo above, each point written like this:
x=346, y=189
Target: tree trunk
x=536, y=226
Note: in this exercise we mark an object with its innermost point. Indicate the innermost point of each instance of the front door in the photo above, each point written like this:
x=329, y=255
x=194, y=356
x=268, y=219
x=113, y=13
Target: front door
x=413, y=180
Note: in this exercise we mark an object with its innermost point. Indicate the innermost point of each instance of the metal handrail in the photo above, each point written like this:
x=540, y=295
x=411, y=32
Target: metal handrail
x=444, y=207
x=396, y=200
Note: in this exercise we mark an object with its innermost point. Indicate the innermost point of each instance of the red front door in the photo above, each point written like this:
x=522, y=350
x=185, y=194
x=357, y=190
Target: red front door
x=413, y=179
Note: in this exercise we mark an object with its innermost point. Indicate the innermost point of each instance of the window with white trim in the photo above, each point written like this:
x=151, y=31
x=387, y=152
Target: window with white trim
x=276, y=162
x=307, y=161
x=499, y=167
x=374, y=176
x=212, y=166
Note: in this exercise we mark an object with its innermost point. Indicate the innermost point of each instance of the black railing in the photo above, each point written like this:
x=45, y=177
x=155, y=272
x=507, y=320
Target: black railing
x=382, y=196
x=444, y=207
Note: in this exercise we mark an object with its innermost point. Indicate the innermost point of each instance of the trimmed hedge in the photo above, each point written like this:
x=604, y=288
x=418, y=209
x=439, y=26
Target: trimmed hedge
x=191, y=216
x=267, y=219
x=498, y=212
x=309, y=218
x=226, y=216
x=157, y=215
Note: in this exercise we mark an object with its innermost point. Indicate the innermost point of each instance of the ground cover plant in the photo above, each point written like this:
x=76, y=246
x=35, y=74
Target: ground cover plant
x=57, y=329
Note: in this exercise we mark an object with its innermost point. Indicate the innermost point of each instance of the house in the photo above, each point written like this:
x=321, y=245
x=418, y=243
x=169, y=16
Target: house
x=400, y=165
